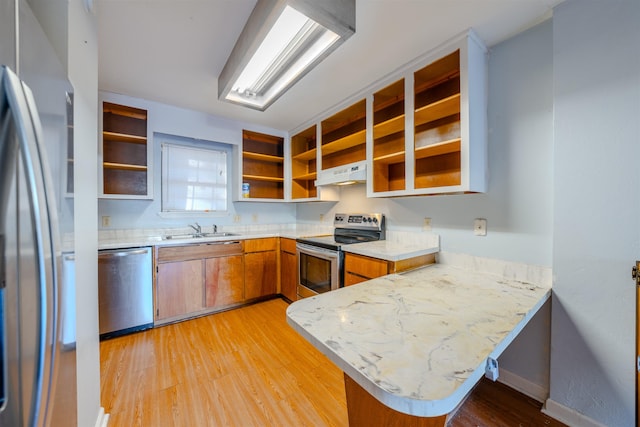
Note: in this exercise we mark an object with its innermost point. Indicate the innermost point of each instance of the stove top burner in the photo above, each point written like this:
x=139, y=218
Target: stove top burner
x=350, y=229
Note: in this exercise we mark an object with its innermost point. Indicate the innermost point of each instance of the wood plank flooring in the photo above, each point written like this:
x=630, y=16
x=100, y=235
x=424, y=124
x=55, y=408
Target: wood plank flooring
x=247, y=367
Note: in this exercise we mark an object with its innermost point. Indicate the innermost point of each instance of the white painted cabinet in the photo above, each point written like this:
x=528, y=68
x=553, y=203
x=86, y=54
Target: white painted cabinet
x=427, y=126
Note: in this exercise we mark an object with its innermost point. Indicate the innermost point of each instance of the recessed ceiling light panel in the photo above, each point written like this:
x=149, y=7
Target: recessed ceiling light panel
x=281, y=42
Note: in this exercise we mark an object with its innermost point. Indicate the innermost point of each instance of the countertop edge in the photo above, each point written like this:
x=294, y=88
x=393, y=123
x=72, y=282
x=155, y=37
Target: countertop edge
x=364, y=250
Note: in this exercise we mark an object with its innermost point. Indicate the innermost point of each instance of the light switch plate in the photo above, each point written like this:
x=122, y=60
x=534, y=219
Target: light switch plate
x=426, y=225
x=480, y=227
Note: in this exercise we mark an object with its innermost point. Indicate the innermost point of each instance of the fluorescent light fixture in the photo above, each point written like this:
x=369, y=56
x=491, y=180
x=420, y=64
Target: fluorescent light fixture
x=281, y=42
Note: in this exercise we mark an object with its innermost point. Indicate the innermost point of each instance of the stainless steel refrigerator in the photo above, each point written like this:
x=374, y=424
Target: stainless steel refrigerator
x=37, y=286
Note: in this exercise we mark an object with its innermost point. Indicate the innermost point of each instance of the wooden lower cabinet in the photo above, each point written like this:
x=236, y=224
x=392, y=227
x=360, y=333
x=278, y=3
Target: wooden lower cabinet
x=178, y=288
x=359, y=268
x=288, y=269
x=196, y=279
x=224, y=281
x=260, y=268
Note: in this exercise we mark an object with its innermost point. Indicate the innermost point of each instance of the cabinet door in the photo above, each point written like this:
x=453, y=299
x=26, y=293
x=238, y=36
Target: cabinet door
x=260, y=274
x=224, y=284
x=359, y=268
x=179, y=288
x=288, y=275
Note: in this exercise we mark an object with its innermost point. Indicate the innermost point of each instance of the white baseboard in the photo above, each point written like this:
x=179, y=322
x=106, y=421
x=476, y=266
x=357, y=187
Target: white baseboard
x=568, y=415
x=523, y=385
x=103, y=418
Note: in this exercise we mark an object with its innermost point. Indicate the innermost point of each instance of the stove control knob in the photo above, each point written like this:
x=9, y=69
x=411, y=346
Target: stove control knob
x=375, y=220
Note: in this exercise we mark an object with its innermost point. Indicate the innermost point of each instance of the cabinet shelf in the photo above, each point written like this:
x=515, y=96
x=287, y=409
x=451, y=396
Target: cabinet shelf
x=122, y=137
x=437, y=110
x=263, y=178
x=124, y=167
x=348, y=141
x=306, y=155
x=306, y=177
x=262, y=157
x=389, y=127
x=444, y=147
x=396, y=157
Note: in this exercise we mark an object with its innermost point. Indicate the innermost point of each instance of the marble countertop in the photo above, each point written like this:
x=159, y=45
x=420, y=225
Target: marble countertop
x=139, y=238
x=418, y=342
x=392, y=251
x=399, y=245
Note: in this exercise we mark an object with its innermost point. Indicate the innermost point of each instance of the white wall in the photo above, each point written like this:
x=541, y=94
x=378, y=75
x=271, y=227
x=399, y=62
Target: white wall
x=518, y=204
x=83, y=73
x=191, y=126
x=596, y=208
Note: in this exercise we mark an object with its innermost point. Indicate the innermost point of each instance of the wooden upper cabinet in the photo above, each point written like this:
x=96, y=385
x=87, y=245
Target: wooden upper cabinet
x=304, y=169
x=125, y=153
x=344, y=136
x=262, y=166
x=437, y=132
x=389, y=171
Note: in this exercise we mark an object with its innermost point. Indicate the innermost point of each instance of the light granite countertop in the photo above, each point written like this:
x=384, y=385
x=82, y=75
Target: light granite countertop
x=419, y=342
x=392, y=251
x=398, y=246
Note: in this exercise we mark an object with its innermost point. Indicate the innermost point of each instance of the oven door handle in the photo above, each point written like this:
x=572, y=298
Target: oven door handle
x=314, y=250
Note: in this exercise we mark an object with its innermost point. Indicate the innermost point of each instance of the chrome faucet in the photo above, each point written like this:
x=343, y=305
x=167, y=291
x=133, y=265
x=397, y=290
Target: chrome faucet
x=197, y=228
x=215, y=229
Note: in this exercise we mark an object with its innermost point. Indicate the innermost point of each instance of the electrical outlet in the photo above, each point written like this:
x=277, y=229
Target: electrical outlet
x=321, y=217
x=236, y=218
x=106, y=221
x=480, y=227
x=254, y=217
x=426, y=226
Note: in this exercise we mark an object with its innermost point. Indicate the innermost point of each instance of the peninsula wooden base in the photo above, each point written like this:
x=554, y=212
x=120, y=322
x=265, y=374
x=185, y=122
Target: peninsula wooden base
x=365, y=410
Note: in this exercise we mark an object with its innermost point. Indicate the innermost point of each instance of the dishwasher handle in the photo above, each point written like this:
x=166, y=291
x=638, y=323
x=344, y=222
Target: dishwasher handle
x=121, y=252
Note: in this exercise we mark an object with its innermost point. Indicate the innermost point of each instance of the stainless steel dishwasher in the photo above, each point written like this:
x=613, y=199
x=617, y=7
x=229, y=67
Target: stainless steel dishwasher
x=125, y=291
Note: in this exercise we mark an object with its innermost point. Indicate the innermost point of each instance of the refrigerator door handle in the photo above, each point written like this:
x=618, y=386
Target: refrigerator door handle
x=28, y=135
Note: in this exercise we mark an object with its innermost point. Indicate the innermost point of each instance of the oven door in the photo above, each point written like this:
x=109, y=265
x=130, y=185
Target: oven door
x=319, y=270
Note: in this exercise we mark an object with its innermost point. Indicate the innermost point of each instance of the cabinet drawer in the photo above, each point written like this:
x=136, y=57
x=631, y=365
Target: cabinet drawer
x=198, y=251
x=288, y=245
x=260, y=245
x=364, y=266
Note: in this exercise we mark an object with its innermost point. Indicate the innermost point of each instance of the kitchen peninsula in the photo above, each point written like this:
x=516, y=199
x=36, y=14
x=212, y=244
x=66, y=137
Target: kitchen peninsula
x=413, y=346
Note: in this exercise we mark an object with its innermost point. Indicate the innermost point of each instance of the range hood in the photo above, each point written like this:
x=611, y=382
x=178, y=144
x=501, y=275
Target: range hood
x=352, y=173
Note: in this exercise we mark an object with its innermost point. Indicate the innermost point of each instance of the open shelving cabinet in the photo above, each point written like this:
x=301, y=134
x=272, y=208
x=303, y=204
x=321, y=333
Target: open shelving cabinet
x=434, y=139
x=263, y=165
x=304, y=164
x=125, y=152
x=389, y=171
x=437, y=123
x=344, y=136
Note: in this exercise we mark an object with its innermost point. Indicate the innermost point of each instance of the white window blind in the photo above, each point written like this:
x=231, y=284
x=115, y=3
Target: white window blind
x=193, y=179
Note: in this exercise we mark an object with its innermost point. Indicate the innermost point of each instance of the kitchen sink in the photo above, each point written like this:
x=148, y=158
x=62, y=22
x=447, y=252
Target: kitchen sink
x=197, y=235
x=220, y=234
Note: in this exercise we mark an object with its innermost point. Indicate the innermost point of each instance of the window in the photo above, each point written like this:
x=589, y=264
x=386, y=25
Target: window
x=193, y=179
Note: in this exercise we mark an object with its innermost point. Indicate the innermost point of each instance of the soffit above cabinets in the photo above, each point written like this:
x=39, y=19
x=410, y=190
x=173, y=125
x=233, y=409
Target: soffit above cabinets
x=173, y=51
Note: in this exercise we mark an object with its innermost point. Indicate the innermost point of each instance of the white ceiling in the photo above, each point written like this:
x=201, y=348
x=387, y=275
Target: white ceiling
x=172, y=51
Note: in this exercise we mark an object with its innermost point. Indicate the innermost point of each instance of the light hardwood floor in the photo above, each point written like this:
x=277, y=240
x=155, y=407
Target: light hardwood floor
x=244, y=367
x=247, y=367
